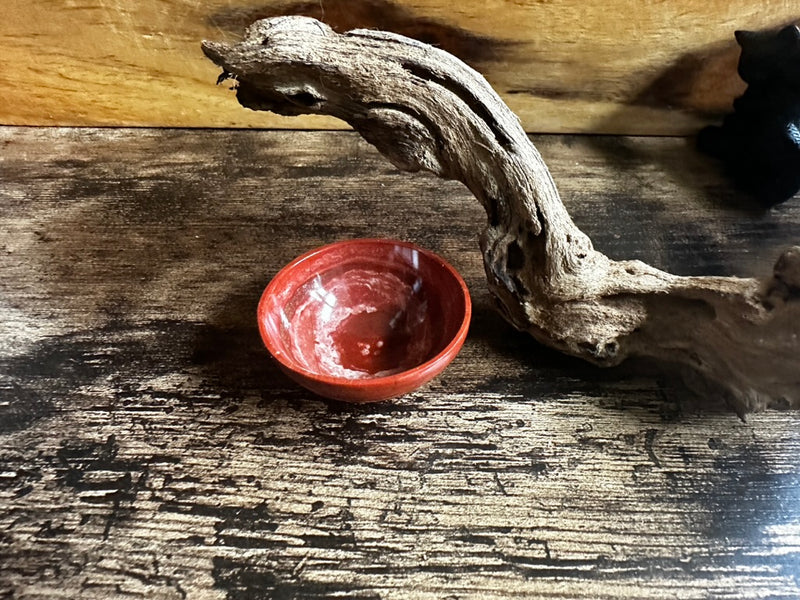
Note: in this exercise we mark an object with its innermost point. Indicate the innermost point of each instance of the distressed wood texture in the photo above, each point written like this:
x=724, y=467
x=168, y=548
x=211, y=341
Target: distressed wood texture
x=567, y=66
x=149, y=448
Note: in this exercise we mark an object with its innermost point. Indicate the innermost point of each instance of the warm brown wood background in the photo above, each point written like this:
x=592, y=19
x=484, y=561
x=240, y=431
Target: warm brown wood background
x=621, y=66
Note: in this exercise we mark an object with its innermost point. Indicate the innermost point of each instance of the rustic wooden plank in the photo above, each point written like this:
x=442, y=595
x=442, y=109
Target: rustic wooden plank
x=149, y=448
x=569, y=66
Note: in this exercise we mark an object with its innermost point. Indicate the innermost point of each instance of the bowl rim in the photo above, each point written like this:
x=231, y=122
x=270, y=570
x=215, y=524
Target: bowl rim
x=420, y=371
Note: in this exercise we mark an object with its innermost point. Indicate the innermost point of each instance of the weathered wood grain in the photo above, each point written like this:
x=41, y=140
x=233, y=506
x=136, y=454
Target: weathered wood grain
x=149, y=448
x=568, y=66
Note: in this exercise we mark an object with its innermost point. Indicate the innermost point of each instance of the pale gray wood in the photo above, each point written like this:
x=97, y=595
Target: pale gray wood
x=425, y=109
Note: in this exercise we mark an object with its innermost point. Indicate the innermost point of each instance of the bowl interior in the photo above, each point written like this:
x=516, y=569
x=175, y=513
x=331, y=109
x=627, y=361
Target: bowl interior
x=362, y=309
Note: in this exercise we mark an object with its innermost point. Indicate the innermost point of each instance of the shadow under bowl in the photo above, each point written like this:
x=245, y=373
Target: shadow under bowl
x=365, y=320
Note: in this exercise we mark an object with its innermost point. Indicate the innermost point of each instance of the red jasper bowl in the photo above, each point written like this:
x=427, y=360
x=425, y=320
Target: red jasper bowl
x=365, y=320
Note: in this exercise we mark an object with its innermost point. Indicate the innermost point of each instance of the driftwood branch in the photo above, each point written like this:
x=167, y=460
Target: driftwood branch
x=424, y=109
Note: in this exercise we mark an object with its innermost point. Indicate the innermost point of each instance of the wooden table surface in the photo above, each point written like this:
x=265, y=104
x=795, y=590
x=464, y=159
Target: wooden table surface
x=149, y=448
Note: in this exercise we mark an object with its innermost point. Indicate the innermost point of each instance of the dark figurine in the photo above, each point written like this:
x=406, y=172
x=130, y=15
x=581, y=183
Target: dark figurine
x=760, y=142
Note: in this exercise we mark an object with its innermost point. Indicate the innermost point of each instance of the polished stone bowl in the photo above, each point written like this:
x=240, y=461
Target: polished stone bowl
x=365, y=320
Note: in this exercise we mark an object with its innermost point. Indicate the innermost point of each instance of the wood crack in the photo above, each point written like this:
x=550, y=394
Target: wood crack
x=464, y=94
